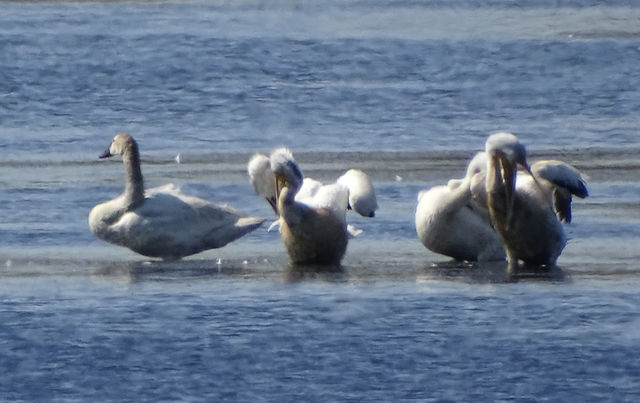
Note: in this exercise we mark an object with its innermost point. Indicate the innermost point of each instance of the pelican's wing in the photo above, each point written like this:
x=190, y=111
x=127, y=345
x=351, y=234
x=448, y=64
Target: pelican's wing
x=308, y=190
x=562, y=204
x=262, y=179
x=562, y=175
x=333, y=197
x=362, y=197
x=566, y=181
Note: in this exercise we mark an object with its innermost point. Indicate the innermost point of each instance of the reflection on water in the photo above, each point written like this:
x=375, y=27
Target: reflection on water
x=330, y=273
x=159, y=271
x=204, y=270
x=491, y=272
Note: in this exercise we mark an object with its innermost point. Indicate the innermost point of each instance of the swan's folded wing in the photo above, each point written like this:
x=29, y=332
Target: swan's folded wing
x=170, y=224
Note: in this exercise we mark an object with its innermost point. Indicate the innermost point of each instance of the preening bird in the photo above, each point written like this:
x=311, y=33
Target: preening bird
x=521, y=205
x=353, y=190
x=355, y=184
x=449, y=221
x=311, y=235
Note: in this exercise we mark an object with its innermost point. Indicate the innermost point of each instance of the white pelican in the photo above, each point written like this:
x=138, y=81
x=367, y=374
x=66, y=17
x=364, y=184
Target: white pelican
x=362, y=197
x=353, y=190
x=311, y=235
x=163, y=222
x=450, y=222
x=520, y=206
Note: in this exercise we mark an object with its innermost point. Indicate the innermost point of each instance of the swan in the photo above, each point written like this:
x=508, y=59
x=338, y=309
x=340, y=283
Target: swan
x=449, y=221
x=526, y=209
x=163, y=222
x=311, y=235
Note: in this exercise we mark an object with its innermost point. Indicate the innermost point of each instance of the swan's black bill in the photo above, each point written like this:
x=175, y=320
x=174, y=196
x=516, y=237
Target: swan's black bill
x=106, y=154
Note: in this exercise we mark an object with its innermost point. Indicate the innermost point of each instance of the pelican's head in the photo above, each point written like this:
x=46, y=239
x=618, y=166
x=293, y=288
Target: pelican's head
x=362, y=197
x=476, y=169
x=286, y=172
x=477, y=164
x=261, y=178
x=121, y=143
x=505, y=153
x=508, y=149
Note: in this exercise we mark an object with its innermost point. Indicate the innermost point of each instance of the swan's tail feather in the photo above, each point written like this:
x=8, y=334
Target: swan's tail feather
x=249, y=223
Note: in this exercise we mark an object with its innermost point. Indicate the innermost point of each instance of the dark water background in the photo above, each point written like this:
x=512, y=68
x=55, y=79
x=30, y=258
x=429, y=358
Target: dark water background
x=405, y=90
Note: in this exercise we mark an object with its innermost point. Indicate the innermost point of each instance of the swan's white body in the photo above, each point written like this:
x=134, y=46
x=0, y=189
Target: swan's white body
x=163, y=222
x=522, y=206
x=450, y=222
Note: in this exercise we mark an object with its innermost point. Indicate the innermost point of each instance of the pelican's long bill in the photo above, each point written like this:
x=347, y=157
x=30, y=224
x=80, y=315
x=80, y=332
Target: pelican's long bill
x=273, y=202
x=281, y=182
x=508, y=173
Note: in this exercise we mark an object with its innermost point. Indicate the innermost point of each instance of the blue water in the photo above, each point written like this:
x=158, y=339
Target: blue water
x=405, y=90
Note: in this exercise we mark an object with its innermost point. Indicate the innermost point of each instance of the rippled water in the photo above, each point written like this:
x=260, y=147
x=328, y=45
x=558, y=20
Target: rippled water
x=404, y=90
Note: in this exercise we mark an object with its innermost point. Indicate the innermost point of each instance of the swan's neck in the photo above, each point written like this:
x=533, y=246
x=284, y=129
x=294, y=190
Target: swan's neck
x=134, y=187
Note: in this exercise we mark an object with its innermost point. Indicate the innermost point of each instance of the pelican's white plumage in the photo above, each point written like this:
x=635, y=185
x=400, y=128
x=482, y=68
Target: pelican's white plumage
x=352, y=190
x=311, y=235
x=362, y=196
x=522, y=206
x=333, y=196
x=261, y=179
x=308, y=190
x=450, y=222
x=163, y=222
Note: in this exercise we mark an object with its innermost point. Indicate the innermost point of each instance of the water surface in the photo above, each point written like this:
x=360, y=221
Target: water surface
x=407, y=91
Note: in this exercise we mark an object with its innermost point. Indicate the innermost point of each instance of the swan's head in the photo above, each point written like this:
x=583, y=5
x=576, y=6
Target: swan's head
x=261, y=178
x=121, y=143
x=286, y=172
x=362, y=197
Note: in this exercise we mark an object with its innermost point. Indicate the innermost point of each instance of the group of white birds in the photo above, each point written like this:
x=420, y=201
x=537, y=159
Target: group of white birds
x=495, y=211
x=498, y=211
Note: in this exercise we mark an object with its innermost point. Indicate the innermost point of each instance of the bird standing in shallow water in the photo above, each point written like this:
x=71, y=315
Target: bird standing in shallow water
x=352, y=191
x=311, y=235
x=163, y=222
x=450, y=222
x=521, y=206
